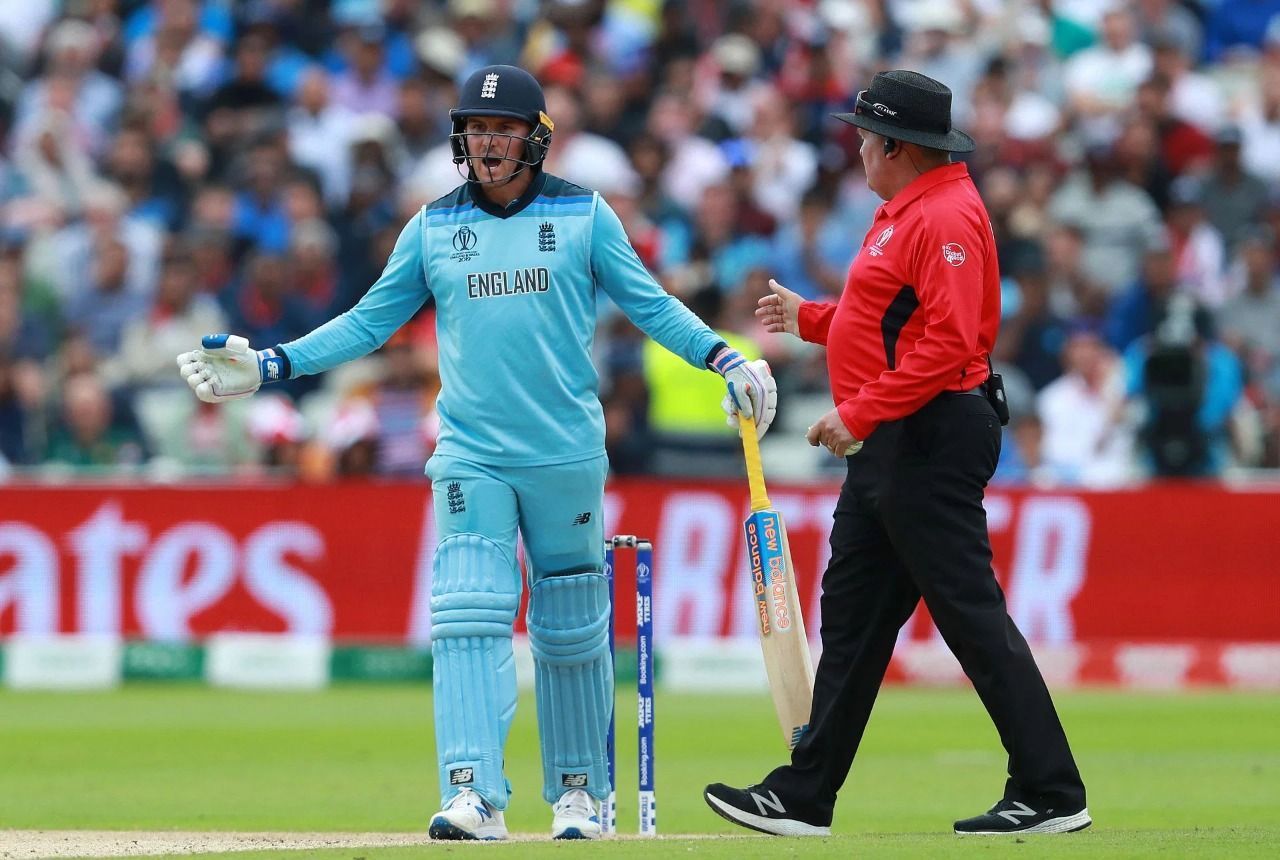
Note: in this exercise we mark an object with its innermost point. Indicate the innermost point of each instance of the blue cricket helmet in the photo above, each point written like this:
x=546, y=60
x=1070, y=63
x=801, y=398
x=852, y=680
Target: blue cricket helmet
x=503, y=91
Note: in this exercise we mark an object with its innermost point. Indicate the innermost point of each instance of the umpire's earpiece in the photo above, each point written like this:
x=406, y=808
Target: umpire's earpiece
x=890, y=145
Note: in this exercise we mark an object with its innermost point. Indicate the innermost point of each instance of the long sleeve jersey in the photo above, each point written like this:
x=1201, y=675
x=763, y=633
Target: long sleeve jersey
x=515, y=293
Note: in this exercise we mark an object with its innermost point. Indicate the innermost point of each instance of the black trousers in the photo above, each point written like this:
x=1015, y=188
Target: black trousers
x=909, y=525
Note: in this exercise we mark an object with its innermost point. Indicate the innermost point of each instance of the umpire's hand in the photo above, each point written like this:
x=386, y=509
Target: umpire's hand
x=829, y=432
x=780, y=311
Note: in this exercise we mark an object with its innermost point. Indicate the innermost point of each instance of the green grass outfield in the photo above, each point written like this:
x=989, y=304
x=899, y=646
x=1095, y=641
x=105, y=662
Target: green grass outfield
x=1168, y=775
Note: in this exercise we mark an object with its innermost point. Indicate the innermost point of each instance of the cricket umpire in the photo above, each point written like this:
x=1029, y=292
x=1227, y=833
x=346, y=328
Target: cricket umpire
x=918, y=415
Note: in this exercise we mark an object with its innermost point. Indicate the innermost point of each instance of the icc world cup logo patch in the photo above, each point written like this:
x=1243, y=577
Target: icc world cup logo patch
x=464, y=244
x=464, y=239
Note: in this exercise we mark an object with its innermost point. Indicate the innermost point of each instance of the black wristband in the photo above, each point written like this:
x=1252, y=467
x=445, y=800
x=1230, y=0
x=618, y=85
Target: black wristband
x=712, y=354
x=284, y=357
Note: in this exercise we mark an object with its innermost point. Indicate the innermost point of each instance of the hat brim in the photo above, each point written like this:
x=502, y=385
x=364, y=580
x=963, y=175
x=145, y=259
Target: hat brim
x=953, y=141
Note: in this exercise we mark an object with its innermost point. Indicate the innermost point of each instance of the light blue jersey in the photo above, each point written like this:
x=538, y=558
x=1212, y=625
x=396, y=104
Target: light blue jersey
x=515, y=293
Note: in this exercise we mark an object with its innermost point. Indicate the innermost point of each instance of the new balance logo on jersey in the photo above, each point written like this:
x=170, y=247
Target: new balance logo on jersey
x=574, y=780
x=771, y=801
x=489, y=89
x=461, y=775
x=453, y=495
x=546, y=236
x=582, y=519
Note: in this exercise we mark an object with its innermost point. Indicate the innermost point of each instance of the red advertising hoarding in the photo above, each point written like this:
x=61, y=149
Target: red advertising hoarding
x=353, y=561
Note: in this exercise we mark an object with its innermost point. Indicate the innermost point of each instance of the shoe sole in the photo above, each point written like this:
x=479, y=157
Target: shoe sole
x=445, y=830
x=1066, y=824
x=573, y=833
x=772, y=826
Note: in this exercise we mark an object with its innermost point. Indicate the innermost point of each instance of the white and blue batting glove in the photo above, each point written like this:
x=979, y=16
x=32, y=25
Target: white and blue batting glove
x=752, y=390
x=225, y=368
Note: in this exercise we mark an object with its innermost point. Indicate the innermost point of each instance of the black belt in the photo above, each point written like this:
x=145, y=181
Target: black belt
x=980, y=390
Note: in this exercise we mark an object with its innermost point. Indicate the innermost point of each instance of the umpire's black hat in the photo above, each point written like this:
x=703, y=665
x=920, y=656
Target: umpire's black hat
x=908, y=106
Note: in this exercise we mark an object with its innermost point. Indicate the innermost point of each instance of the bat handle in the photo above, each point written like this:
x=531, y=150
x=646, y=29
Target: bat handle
x=755, y=466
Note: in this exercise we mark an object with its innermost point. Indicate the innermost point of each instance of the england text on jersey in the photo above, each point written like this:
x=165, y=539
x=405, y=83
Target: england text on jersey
x=492, y=285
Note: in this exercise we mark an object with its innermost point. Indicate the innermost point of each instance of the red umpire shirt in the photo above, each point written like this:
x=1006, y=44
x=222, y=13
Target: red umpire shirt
x=921, y=306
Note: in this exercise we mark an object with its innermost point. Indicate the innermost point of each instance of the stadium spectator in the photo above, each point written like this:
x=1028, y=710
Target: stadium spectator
x=91, y=431
x=264, y=306
x=177, y=51
x=102, y=308
x=1086, y=438
x=728, y=94
x=810, y=251
x=1232, y=198
x=1022, y=454
x=1193, y=97
x=1101, y=80
x=319, y=131
x=582, y=157
x=1238, y=24
x=260, y=219
x=1170, y=22
x=197, y=438
x=25, y=334
x=245, y=104
x=16, y=419
x=783, y=167
x=180, y=312
x=72, y=83
x=1196, y=246
x=1033, y=336
x=1136, y=311
x=1183, y=147
x=1250, y=325
x=278, y=429
x=52, y=154
x=402, y=403
x=366, y=85
x=1250, y=322
x=1260, y=127
x=1116, y=218
x=934, y=45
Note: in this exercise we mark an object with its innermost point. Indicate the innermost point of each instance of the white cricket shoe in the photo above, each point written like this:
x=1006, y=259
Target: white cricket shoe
x=577, y=816
x=468, y=816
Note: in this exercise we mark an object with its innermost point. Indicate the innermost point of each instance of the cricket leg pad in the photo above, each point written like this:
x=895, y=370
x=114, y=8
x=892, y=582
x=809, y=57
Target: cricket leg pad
x=573, y=676
x=475, y=594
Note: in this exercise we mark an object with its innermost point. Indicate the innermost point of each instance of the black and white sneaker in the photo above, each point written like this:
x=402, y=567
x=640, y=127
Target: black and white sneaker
x=1014, y=816
x=759, y=808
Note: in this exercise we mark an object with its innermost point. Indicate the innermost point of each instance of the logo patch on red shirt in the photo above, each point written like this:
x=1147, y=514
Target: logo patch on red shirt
x=883, y=239
x=953, y=253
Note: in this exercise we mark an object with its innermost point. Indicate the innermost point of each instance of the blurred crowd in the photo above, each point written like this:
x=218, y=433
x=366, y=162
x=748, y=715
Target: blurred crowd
x=178, y=167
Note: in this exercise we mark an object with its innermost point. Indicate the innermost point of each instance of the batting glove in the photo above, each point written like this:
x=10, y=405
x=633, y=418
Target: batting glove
x=225, y=368
x=752, y=390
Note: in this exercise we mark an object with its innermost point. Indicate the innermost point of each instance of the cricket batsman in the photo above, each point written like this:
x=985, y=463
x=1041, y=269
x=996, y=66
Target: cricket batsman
x=512, y=258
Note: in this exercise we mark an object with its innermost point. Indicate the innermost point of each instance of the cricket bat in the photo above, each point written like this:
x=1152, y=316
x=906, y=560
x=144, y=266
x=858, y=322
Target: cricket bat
x=773, y=583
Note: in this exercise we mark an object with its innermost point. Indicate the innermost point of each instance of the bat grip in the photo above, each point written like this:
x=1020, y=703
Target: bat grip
x=755, y=467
